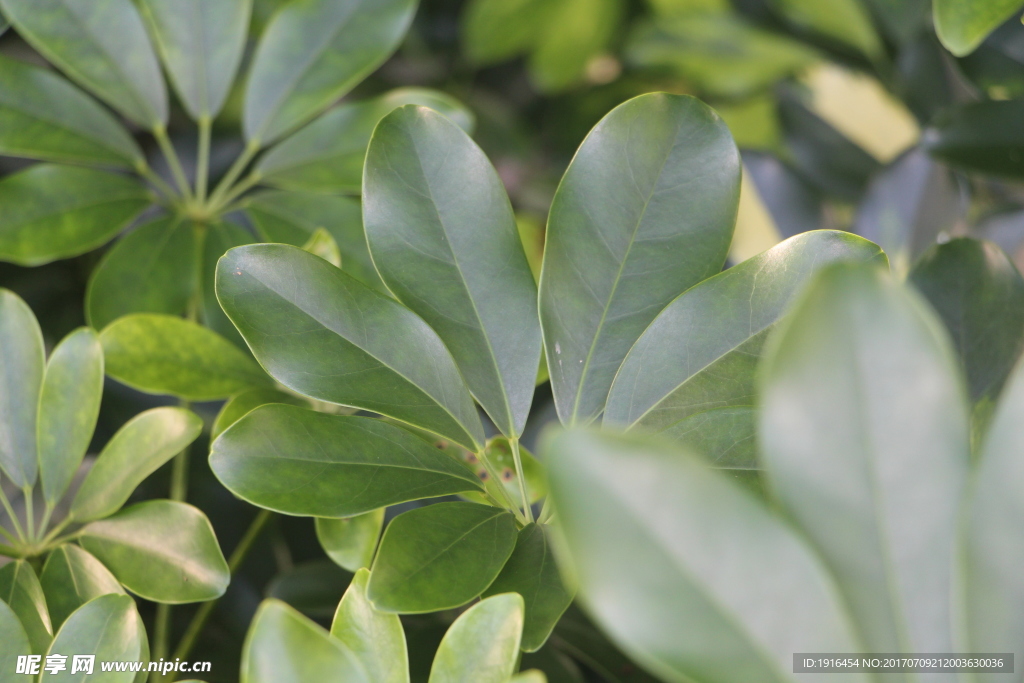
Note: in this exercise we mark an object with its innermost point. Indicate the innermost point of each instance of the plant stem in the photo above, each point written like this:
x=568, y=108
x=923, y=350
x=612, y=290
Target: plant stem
x=8, y=551
x=518, y=458
x=160, y=635
x=10, y=513
x=30, y=514
x=179, y=475
x=56, y=530
x=236, y=169
x=47, y=513
x=9, y=536
x=203, y=161
x=235, y=191
x=546, y=512
x=143, y=169
x=160, y=133
x=496, y=478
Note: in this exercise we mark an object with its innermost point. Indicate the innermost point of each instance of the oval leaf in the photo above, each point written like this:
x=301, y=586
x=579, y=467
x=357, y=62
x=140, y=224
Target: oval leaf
x=351, y=541
x=163, y=354
x=21, y=378
x=645, y=211
x=137, y=450
x=20, y=589
x=685, y=571
x=108, y=627
x=161, y=550
x=375, y=638
x=326, y=335
x=102, y=45
x=862, y=405
x=201, y=45
x=302, y=462
x=12, y=635
x=963, y=24
x=72, y=577
x=69, y=405
x=440, y=556
x=482, y=645
x=314, y=52
x=42, y=116
x=444, y=239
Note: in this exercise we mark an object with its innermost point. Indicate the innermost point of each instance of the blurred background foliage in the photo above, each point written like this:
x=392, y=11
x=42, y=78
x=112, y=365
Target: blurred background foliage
x=850, y=114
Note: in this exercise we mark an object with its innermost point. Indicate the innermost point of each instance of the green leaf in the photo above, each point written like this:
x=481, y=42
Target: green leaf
x=571, y=33
x=321, y=244
x=314, y=588
x=701, y=351
x=726, y=438
x=72, y=577
x=861, y=404
x=845, y=21
x=69, y=404
x=694, y=578
x=240, y=405
x=499, y=454
x=285, y=647
x=102, y=45
x=326, y=335
x=327, y=155
x=532, y=573
x=980, y=136
x=302, y=462
x=645, y=211
x=201, y=45
x=482, y=645
x=42, y=116
x=15, y=642
x=161, y=550
x=971, y=285
x=51, y=212
x=375, y=638
x=314, y=52
x=444, y=239
x=531, y=676
x=293, y=217
x=20, y=589
x=496, y=30
x=163, y=354
x=220, y=236
x=137, y=450
x=152, y=269
x=963, y=24
x=108, y=627
x=21, y=379
x=351, y=541
x=440, y=556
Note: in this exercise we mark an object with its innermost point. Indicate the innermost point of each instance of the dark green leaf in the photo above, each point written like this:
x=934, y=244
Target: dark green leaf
x=532, y=573
x=301, y=462
x=375, y=638
x=328, y=336
x=701, y=351
x=903, y=20
x=689, y=574
x=571, y=33
x=12, y=635
x=72, y=577
x=69, y=404
x=161, y=550
x=101, y=44
x=979, y=295
x=482, y=645
x=108, y=627
x=137, y=450
x=53, y=212
x=220, y=236
x=726, y=437
x=163, y=354
x=980, y=136
x=351, y=541
x=150, y=270
x=42, y=116
x=440, y=556
x=845, y=21
x=201, y=45
x=444, y=239
x=285, y=647
x=327, y=155
x=314, y=52
x=861, y=404
x=20, y=589
x=21, y=379
x=645, y=211
x=963, y=24
x=314, y=588
x=240, y=405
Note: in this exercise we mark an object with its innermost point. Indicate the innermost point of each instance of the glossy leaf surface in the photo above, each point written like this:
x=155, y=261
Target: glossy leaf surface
x=351, y=541
x=482, y=645
x=72, y=577
x=108, y=627
x=137, y=450
x=20, y=589
x=240, y=405
x=645, y=210
x=963, y=24
x=69, y=404
x=324, y=334
x=375, y=638
x=864, y=427
x=50, y=212
x=163, y=354
x=16, y=642
x=161, y=550
x=689, y=574
x=301, y=462
x=103, y=45
x=440, y=556
x=444, y=239
x=314, y=52
x=21, y=378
